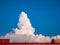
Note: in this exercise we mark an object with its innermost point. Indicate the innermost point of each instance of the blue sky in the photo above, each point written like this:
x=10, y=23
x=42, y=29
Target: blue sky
x=43, y=14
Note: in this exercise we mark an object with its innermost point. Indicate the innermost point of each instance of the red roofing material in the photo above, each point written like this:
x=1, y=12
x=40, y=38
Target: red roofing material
x=4, y=40
x=57, y=41
x=30, y=44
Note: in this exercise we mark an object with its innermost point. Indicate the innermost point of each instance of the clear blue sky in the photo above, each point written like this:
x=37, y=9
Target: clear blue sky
x=44, y=15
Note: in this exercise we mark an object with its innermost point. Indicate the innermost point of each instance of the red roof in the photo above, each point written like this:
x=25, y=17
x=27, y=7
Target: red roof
x=4, y=40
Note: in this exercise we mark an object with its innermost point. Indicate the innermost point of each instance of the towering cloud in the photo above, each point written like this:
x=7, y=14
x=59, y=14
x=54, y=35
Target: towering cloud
x=24, y=25
x=25, y=32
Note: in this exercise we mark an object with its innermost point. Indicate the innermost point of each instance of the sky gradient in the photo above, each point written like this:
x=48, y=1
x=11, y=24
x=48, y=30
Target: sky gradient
x=43, y=14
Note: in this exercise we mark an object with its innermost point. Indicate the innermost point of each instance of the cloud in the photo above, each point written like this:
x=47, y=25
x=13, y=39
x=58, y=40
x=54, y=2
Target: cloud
x=25, y=32
x=56, y=37
x=24, y=25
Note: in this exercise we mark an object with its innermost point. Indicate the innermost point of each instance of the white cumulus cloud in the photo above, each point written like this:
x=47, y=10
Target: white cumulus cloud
x=25, y=32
